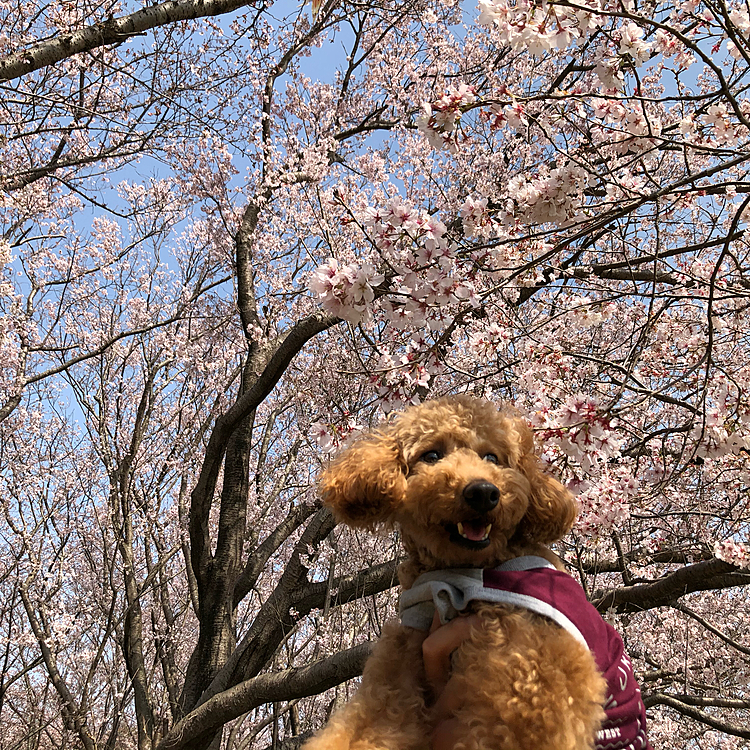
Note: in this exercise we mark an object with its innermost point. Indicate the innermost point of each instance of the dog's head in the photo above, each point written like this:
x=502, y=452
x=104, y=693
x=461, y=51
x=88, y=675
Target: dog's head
x=460, y=479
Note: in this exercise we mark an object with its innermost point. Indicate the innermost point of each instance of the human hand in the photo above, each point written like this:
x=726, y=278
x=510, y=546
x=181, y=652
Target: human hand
x=437, y=649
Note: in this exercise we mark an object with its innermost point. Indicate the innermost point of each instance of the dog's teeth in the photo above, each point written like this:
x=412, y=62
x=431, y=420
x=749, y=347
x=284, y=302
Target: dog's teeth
x=463, y=533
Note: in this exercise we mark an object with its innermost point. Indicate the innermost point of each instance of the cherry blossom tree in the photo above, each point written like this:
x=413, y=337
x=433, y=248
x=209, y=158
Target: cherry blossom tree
x=234, y=234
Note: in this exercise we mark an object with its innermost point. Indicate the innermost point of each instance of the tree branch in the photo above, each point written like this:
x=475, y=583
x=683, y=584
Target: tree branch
x=111, y=31
x=660, y=699
x=277, y=362
x=708, y=626
x=256, y=563
x=702, y=576
x=267, y=688
x=74, y=716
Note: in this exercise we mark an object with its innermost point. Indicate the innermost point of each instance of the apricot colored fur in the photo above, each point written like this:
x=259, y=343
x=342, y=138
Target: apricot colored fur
x=529, y=685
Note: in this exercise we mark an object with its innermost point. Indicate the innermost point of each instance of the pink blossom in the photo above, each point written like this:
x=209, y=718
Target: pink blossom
x=733, y=552
x=632, y=44
x=610, y=74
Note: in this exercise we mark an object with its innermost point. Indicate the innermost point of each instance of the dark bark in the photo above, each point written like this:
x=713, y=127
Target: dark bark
x=112, y=31
x=277, y=362
x=276, y=617
x=132, y=646
x=216, y=576
x=194, y=730
x=703, y=576
x=272, y=623
x=260, y=557
x=703, y=717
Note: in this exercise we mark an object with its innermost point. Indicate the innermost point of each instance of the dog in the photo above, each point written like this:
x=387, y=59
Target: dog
x=461, y=481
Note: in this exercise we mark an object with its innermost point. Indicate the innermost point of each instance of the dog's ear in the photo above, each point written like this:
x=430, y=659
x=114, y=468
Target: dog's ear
x=365, y=483
x=551, y=510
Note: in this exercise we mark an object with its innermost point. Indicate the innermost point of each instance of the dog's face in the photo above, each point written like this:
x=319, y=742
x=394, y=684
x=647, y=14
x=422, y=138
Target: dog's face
x=458, y=477
x=465, y=494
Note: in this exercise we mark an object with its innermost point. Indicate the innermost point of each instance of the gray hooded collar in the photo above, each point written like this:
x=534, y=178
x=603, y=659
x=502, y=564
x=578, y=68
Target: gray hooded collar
x=450, y=592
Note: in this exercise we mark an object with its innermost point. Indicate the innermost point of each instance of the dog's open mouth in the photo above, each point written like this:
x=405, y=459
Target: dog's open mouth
x=474, y=534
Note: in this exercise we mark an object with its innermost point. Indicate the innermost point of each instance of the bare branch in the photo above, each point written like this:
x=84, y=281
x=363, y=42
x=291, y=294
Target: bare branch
x=729, y=641
x=267, y=688
x=112, y=31
x=661, y=699
x=702, y=576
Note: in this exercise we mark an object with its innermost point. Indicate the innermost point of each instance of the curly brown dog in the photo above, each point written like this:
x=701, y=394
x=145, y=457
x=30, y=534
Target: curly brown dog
x=461, y=481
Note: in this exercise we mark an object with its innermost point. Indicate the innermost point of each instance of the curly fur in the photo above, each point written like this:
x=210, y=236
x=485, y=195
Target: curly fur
x=529, y=684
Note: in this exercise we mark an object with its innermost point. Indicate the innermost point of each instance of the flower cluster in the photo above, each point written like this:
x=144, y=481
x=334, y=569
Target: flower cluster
x=399, y=375
x=440, y=119
x=604, y=504
x=580, y=431
x=346, y=291
x=6, y=257
x=476, y=218
x=632, y=44
x=553, y=196
x=628, y=127
x=719, y=433
x=732, y=552
x=540, y=29
x=587, y=313
x=514, y=115
x=5, y=254
x=487, y=342
x=329, y=436
x=632, y=51
x=398, y=220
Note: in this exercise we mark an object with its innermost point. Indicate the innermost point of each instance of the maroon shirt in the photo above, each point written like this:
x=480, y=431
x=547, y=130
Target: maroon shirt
x=625, y=725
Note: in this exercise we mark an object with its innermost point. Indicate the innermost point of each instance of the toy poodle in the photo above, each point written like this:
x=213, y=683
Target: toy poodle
x=542, y=670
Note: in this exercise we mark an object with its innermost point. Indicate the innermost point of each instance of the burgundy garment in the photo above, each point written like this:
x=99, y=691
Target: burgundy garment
x=625, y=725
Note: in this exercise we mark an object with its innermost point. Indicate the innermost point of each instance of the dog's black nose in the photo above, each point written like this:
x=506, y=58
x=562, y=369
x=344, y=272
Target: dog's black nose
x=481, y=496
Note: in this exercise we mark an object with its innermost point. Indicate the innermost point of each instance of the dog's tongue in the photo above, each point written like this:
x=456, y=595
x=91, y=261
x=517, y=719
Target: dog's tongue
x=474, y=530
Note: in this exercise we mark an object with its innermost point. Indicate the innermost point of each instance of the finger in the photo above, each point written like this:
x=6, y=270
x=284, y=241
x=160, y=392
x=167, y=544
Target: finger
x=440, y=644
x=446, y=735
x=450, y=700
x=435, y=622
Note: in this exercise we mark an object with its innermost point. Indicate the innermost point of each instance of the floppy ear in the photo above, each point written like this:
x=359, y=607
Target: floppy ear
x=365, y=482
x=551, y=510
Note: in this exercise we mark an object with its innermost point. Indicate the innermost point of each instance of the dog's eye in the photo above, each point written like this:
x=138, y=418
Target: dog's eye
x=491, y=458
x=431, y=457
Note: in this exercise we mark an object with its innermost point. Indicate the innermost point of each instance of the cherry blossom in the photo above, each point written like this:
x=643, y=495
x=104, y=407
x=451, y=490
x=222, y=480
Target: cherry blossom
x=440, y=119
x=345, y=291
x=232, y=242
x=733, y=552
